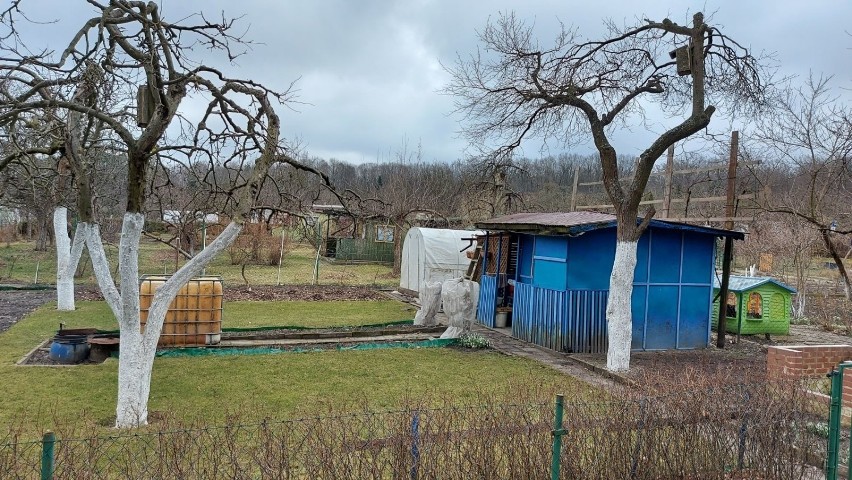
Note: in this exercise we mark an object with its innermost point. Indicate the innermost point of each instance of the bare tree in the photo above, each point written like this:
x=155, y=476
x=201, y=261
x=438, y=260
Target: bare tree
x=811, y=132
x=51, y=145
x=401, y=192
x=147, y=62
x=516, y=89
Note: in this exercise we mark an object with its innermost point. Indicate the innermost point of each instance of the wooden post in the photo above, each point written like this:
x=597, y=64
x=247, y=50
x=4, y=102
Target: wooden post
x=667, y=194
x=723, y=293
x=574, y=190
x=732, y=180
x=729, y=242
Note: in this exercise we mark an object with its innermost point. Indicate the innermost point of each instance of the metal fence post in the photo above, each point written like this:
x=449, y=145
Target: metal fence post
x=557, y=433
x=47, y=460
x=634, y=466
x=415, y=445
x=834, y=413
x=741, y=445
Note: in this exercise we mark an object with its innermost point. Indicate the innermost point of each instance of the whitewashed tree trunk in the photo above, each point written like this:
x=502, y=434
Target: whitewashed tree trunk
x=100, y=266
x=618, y=310
x=138, y=348
x=68, y=255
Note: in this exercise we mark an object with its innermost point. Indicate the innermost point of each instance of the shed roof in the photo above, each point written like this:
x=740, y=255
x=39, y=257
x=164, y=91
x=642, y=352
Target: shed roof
x=570, y=223
x=739, y=283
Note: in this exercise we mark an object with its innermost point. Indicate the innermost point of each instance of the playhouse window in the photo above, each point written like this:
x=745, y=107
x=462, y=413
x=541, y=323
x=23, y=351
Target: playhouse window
x=384, y=233
x=731, y=305
x=755, y=306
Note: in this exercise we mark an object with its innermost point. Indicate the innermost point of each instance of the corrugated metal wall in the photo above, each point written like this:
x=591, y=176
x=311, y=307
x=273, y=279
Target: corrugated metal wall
x=569, y=321
x=487, y=300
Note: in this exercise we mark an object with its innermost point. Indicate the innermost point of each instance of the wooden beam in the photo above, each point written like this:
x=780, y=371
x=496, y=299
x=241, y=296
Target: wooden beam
x=667, y=192
x=712, y=219
x=723, y=293
x=710, y=168
x=732, y=179
x=745, y=196
x=574, y=190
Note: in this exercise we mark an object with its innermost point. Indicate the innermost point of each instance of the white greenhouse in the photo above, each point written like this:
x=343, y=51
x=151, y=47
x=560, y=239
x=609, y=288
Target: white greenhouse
x=434, y=254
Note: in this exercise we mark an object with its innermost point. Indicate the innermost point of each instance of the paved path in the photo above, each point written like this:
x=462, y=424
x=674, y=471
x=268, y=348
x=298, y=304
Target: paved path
x=504, y=343
x=811, y=335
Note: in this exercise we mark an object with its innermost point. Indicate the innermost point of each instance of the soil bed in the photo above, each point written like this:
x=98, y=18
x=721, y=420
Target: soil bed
x=329, y=332
x=654, y=371
x=16, y=304
x=273, y=292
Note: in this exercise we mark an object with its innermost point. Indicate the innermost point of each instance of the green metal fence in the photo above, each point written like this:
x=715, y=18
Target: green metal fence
x=363, y=250
x=834, y=425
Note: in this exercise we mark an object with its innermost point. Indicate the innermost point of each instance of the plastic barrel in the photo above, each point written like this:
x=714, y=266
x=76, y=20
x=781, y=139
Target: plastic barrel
x=69, y=349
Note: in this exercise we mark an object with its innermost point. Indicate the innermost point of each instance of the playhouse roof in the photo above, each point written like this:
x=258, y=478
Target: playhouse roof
x=739, y=283
x=570, y=223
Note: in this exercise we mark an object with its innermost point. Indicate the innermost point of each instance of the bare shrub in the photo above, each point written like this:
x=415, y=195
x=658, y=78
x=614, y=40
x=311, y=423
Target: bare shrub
x=256, y=246
x=697, y=429
x=8, y=234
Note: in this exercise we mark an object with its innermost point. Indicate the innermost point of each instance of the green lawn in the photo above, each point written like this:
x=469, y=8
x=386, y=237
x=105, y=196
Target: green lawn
x=18, y=263
x=247, y=314
x=278, y=385
x=315, y=314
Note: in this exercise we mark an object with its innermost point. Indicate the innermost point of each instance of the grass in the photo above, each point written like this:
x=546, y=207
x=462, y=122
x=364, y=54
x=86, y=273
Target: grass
x=280, y=385
x=294, y=313
x=315, y=314
x=18, y=263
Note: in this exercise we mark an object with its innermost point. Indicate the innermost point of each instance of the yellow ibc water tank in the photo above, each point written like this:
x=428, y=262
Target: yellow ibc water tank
x=194, y=316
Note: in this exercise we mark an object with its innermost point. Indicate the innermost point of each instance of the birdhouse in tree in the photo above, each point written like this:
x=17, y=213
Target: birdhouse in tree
x=683, y=60
x=144, y=106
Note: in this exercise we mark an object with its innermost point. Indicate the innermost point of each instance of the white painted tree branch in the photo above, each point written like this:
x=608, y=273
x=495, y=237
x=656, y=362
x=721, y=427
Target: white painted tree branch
x=169, y=290
x=619, y=305
x=100, y=265
x=68, y=255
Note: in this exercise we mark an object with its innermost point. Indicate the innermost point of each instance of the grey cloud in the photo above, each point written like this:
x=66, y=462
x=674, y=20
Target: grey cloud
x=370, y=73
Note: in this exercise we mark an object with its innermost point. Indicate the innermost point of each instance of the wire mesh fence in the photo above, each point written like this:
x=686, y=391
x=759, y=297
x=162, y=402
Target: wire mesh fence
x=742, y=431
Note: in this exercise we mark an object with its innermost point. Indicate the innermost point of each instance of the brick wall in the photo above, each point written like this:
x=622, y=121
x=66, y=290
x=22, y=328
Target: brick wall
x=805, y=361
x=812, y=361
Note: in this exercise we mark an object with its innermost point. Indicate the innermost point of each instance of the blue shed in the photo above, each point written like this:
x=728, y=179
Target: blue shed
x=551, y=271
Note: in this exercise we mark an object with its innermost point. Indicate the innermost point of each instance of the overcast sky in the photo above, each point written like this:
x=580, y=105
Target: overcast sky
x=369, y=72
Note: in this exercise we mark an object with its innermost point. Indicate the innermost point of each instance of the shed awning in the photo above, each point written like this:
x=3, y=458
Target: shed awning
x=572, y=223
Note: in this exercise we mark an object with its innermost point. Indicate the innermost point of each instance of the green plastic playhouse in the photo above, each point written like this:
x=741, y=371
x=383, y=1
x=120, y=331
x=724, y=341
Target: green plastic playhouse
x=755, y=305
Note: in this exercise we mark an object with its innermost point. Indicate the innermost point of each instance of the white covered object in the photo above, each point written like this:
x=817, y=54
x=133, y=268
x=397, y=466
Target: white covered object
x=433, y=254
x=430, y=302
x=460, y=298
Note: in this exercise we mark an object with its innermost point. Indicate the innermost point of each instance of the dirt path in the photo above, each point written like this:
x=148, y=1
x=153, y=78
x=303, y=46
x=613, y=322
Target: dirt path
x=15, y=304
